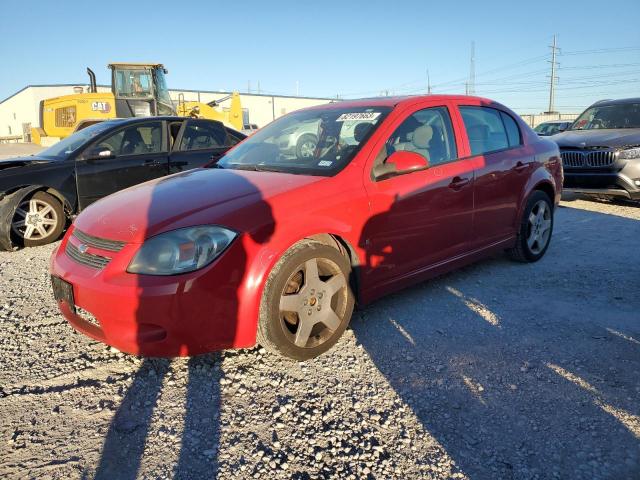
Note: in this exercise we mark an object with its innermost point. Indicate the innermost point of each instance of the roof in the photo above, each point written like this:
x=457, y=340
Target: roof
x=620, y=101
x=394, y=101
x=135, y=64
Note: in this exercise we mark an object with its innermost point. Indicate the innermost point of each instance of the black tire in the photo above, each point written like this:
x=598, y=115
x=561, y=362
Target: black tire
x=522, y=251
x=53, y=231
x=304, y=146
x=277, y=330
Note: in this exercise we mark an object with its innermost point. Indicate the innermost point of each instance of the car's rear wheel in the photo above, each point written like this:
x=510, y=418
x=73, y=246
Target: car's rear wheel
x=307, y=302
x=306, y=146
x=535, y=230
x=39, y=219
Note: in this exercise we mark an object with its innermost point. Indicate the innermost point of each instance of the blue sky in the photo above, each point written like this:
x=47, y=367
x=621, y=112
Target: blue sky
x=351, y=49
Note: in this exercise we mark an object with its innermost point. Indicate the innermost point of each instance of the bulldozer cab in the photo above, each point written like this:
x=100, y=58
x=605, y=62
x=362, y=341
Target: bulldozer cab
x=140, y=90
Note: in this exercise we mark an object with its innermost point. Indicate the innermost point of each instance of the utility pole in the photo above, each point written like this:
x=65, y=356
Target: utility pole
x=471, y=90
x=428, y=83
x=554, y=78
x=248, y=86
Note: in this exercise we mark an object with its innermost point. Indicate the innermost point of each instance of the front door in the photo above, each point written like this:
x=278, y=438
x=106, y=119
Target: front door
x=422, y=218
x=138, y=153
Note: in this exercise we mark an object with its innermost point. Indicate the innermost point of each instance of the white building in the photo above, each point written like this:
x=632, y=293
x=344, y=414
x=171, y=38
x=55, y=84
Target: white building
x=21, y=111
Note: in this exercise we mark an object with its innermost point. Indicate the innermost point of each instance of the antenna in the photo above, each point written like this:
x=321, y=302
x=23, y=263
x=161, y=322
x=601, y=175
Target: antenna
x=554, y=78
x=471, y=87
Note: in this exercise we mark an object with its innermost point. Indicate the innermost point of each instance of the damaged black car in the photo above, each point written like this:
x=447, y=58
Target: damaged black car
x=40, y=194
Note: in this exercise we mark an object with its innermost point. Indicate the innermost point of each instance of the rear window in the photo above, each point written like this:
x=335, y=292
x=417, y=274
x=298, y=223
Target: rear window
x=489, y=129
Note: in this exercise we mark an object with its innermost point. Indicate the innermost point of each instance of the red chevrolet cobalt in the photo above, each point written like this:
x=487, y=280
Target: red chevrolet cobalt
x=275, y=242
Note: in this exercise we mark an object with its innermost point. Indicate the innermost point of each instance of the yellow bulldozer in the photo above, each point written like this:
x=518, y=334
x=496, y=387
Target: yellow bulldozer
x=137, y=90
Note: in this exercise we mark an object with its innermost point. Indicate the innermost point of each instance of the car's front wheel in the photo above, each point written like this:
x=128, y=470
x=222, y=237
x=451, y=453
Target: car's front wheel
x=307, y=302
x=535, y=230
x=38, y=220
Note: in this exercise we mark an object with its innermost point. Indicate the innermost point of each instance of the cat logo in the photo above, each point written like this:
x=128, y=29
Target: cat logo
x=104, y=107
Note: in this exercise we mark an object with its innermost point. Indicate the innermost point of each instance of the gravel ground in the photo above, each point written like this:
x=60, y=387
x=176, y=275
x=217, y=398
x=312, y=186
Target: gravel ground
x=499, y=370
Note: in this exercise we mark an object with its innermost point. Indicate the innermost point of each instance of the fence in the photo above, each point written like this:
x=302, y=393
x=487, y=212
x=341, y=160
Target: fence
x=534, y=120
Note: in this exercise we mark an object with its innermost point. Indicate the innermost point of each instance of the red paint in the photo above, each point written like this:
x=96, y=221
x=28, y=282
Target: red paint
x=402, y=230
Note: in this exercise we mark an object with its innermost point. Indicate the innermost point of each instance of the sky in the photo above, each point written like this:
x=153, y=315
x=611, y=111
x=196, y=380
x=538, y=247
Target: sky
x=329, y=48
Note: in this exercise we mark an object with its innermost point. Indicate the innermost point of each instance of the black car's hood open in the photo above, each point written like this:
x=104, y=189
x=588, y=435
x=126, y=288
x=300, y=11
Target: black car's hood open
x=22, y=161
x=622, y=137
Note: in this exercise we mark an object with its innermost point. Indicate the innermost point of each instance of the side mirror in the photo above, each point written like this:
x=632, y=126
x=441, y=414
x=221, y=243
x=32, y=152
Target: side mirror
x=99, y=153
x=399, y=163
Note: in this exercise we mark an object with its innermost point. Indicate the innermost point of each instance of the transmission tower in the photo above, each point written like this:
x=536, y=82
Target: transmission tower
x=553, y=79
x=471, y=86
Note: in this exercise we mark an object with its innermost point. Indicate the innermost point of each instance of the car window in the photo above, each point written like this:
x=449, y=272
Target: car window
x=485, y=129
x=513, y=132
x=135, y=140
x=199, y=135
x=427, y=132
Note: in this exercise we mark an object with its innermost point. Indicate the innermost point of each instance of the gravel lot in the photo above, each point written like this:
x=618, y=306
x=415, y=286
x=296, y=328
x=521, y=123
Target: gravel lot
x=499, y=370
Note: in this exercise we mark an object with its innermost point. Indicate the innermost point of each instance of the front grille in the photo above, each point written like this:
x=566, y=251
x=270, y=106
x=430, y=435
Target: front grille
x=101, y=243
x=588, y=158
x=88, y=259
x=66, y=116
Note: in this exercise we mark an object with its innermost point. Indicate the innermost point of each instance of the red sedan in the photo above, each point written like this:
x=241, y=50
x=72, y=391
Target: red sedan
x=273, y=247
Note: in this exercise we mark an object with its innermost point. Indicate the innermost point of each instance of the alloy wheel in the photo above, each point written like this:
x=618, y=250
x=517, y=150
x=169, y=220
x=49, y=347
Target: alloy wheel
x=34, y=219
x=313, y=302
x=539, y=230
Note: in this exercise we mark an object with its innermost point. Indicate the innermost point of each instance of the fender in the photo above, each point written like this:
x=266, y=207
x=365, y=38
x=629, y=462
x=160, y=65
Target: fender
x=263, y=260
x=540, y=179
x=8, y=206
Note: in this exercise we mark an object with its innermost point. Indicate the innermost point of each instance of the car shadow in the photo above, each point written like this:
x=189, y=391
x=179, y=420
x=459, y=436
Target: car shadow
x=535, y=381
x=129, y=431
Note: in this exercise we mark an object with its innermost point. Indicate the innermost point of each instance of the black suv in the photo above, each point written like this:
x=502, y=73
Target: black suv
x=40, y=193
x=601, y=150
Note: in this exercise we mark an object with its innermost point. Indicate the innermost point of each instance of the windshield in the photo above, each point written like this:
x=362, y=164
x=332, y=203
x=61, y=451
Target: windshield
x=134, y=83
x=65, y=147
x=165, y=104
x=624, y=115
x=312, y=142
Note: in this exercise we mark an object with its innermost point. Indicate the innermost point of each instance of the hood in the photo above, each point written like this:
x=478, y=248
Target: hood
x=196, y=197
x=598, y=138
x=22, y=162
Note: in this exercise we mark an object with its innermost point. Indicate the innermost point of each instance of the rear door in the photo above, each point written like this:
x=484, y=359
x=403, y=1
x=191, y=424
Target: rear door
x=504, y=164
x=138, y=153
x=199, y=143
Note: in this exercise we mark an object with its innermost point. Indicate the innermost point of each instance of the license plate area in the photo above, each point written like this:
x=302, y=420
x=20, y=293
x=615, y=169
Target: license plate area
x=63, y=291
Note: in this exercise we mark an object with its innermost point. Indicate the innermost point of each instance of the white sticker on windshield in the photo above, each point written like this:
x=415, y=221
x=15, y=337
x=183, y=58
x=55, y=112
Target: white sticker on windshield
x=325, y=163
x=362, y=116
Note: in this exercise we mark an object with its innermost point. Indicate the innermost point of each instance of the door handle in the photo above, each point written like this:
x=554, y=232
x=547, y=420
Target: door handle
x=152, y=162
x=458, y=182
x=520, y=166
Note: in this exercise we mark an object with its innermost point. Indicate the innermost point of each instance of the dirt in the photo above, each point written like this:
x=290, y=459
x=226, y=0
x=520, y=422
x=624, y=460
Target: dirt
x=499, y=370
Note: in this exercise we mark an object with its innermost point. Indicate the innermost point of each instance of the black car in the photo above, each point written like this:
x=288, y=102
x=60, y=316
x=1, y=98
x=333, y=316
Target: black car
x=601, y=150
x=40, y=193
x=552, y=127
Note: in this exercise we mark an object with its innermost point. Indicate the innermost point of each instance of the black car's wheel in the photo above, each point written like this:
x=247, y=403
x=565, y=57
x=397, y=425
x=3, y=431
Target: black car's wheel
x=306, y=146
x=535, y=231
x=39, y=219
x=307, y=302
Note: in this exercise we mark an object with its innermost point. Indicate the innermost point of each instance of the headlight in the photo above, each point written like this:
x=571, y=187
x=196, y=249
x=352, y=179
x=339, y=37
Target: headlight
x=181, y=251
x=629, y=153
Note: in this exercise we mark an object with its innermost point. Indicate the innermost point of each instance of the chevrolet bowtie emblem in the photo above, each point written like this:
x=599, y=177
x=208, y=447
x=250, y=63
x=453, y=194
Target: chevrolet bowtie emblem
x=83, y=248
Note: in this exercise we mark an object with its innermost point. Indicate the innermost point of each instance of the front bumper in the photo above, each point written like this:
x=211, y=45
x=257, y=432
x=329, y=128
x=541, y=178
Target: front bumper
x=622, y=182
x=147, y=315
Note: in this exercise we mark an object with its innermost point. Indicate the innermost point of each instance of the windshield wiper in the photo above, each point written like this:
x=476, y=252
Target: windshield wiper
x=253, y=167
